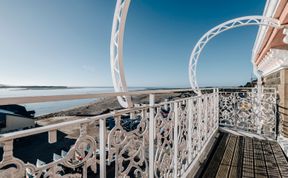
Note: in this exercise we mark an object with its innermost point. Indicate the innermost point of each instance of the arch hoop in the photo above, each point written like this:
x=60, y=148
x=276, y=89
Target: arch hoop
x=234, y=23
x=116, y=52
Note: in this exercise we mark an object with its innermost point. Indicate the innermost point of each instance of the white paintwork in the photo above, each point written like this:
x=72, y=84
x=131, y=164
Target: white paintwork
x=200, y=158
x=175, y=140
x=242, y=110
x=285, y=32
x=116, y=52
x=135, y=142
x=52, y=136
x=240, y=132
x=234, y=23
x=283, y=142
x=190, y=129
x=39, y=99
x=102, y=135
x=151, y=134
x=275, y=60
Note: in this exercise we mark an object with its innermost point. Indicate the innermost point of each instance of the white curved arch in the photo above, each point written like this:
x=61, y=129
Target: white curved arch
x=234, y=23
x=116, y=52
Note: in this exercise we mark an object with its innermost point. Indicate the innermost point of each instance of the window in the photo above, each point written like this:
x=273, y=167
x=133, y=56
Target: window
x=2, y=120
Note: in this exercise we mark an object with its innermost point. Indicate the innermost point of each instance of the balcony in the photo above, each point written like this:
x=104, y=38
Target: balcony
x=185, y=136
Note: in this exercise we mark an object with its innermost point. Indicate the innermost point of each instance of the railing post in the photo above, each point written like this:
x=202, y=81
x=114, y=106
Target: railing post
x=216, y=106
x=189, y=131
x=83, y=133
x=175, y=139
x=205, y=107
x=102, y=146
x=257, y=101
x=275, y=108
x=151, y=134
x=166, y=105
x=199, y=121
x=8, y=150
x=235, y=107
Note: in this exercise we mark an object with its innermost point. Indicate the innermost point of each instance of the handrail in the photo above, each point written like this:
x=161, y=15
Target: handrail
x=39, y=99
x=42, y=129
x=38, y=130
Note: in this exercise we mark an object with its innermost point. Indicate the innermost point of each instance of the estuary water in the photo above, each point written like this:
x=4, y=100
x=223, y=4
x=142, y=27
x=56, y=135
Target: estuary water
x=50, y=107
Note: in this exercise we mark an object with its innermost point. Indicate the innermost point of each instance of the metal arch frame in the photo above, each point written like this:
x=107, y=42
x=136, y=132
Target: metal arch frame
x=234, y=23
x=116, y=52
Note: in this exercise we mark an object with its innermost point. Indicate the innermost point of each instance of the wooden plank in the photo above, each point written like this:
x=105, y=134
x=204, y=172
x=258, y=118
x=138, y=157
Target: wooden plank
x=234, y=170
x=225, y=165
x=271, y=164
x=213, y=165
x=259, y=161
x=248, y=159
x=241, y=155
x=280, y=159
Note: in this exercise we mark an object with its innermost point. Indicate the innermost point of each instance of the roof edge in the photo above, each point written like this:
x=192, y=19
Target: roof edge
x=269, y=11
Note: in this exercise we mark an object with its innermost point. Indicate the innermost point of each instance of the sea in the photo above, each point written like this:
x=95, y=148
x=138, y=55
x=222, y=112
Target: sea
x=51, y=107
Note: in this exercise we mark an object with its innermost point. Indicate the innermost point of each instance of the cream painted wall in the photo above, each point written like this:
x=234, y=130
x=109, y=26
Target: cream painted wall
x=16, y=122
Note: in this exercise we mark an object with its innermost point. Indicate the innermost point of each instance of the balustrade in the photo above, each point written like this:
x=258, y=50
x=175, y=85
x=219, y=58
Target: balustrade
x=163, y=139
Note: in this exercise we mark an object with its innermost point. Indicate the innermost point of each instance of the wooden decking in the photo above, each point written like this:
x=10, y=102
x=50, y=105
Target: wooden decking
x=240, y=156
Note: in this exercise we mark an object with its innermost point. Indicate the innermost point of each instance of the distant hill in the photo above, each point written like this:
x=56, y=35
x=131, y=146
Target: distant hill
x=3, y=86
x=33, y=87
x=252, y=83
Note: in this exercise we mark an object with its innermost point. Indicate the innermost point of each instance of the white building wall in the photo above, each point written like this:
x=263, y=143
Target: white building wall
x=16, y=122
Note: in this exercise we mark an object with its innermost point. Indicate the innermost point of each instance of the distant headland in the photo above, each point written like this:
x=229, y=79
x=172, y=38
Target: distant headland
x=35, y=87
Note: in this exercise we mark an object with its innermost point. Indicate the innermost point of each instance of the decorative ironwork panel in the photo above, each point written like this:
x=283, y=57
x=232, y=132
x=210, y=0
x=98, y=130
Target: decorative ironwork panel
x=268, y=112
x=164, y=141
x=245, y=117
x=128, y=145
x=73, y=163
x=249, y=110
x=195, y=138
x=226, y=109
x=182, y=134
x=171, y=135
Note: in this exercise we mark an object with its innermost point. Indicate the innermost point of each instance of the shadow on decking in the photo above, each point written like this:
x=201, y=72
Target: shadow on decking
x=242, y=156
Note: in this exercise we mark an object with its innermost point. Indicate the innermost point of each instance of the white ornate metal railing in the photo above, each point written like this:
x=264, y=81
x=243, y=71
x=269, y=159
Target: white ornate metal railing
x=241, y=109
x=157, y=140
x=163, y=139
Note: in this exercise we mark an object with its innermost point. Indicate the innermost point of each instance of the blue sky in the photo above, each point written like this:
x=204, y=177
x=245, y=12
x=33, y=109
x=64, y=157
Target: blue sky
x=66, y=42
